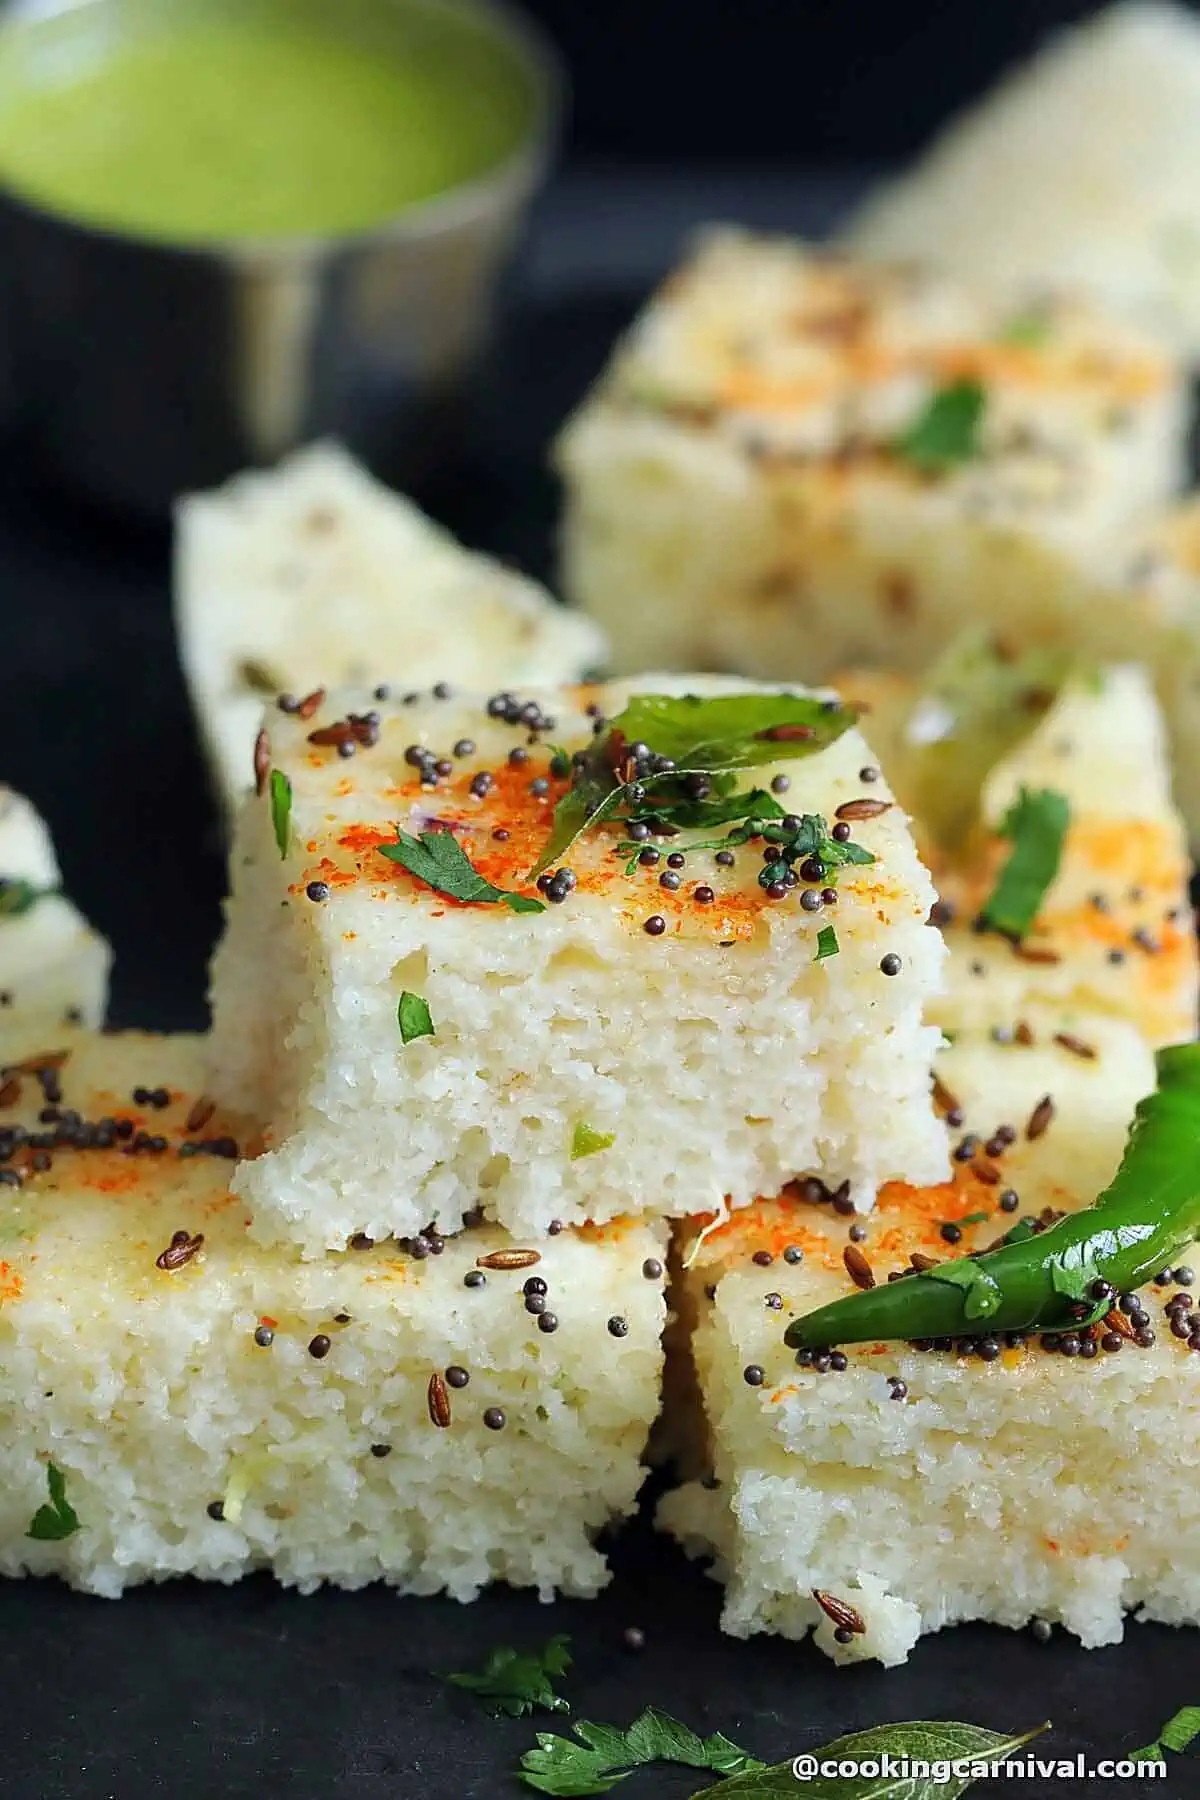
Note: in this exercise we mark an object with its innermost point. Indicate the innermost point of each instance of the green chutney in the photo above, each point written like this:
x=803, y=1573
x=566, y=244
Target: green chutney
x=271, y=122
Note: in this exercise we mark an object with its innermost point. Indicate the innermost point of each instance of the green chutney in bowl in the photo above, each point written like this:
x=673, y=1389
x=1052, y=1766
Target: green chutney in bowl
x=198, y=121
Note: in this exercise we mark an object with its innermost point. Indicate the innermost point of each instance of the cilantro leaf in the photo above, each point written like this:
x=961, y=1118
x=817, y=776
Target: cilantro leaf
x=17, y=897
x=514, y=1681
x=946, y=431
x=413, y=1017
x=605, y=1755
x=1036, y=825
x=827, y=943
x=281, y=809
x=920, y=1741
x=439, y=860
x=57, y=1519
x=585, y=1141
x=982, y=1295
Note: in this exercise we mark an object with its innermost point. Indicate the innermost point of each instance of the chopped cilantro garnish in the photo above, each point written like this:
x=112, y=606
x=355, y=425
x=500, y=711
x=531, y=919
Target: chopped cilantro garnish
x=605, y=1755
x=585, y=1141
x=514, y=1681
x=704, y=743
x=827, y=943
x=1029, y=329
x=281, y=809
x=810, y=838
x=57, y=1519
x=17, y=897
x=982, y=1291
x=1036, y=824
x=439, y=860
x=1177, y=1735
x=413, y=1017
x=975, y=1218
x=946, y=431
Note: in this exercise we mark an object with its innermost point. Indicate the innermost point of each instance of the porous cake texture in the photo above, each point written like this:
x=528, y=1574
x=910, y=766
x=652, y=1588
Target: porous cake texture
x=1114, y=930
x=53, y=966
x=662, y=1027
x=315, y=572
x=994, y=1481
x=1075, y=169
x=205, y=1408
x=796, y=461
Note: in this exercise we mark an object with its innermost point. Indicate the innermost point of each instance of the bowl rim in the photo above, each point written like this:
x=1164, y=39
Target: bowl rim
x=498, y=190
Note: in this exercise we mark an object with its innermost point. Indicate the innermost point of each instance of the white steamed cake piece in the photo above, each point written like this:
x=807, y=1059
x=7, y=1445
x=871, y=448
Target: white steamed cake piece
x=1076, y=169
x=714, y=1060
x=53, y=966
x=743, y=489
x=314, y=572
x=246, y=1410
x=929, y=1487
x=1114, y=932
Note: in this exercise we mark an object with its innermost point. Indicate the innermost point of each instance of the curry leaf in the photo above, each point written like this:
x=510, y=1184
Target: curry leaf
x=942, y=1759
x=605, y=1755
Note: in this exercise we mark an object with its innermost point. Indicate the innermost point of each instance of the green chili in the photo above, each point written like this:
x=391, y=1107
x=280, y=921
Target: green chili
x=1065, y=1277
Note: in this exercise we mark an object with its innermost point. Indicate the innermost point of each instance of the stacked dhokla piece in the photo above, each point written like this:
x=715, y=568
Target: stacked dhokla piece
x=796, y=462
x=53, y=966
x=877, y=1492
x=315, y=572
x=651, y=1028
x=203, y=1406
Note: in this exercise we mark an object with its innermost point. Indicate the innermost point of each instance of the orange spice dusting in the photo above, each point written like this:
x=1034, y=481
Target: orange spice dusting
x=11, y=1284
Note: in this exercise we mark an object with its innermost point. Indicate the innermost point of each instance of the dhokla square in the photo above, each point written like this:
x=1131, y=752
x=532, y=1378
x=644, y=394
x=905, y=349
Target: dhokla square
x=176, y=1401
x=1060, y=769
x=568, y=955
x=796, y=461
x=871, y=1491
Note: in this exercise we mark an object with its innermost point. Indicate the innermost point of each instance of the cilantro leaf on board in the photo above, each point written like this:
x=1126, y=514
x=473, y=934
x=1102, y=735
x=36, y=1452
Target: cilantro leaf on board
x=605, y=1755
x=1036, y=826
x=439, y=860
x=515, y=1681
x=57, y=1519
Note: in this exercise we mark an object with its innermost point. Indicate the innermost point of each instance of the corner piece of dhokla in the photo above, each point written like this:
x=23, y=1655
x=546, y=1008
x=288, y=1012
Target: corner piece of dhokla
x=715, y=982
x=888, y=1489
x=176, y=1400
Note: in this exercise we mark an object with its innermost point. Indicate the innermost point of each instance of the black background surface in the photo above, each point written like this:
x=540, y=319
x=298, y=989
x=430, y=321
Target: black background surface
x=193, y=1693
x=812, y=80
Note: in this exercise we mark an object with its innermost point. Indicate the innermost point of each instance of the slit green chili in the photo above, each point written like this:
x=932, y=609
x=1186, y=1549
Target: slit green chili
x=1065, y=1277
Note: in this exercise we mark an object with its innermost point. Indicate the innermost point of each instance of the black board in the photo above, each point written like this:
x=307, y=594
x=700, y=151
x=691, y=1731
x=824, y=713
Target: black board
x=188, y=1692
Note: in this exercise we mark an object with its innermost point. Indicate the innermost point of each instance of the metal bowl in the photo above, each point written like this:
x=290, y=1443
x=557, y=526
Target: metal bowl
x=135, y=369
